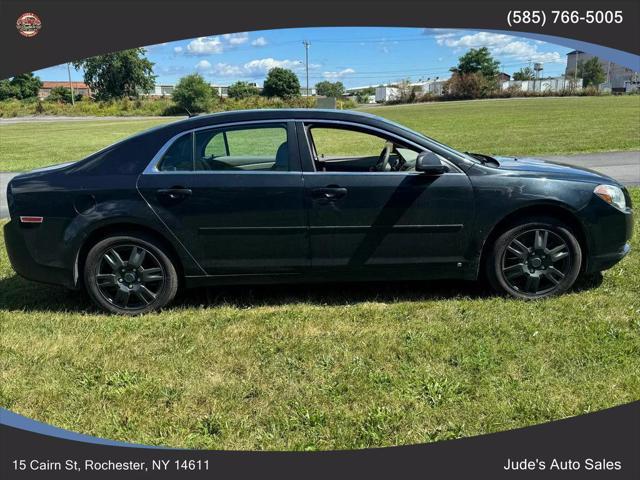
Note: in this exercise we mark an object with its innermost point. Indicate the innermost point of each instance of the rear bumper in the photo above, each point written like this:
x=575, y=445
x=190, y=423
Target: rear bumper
x=25, y=265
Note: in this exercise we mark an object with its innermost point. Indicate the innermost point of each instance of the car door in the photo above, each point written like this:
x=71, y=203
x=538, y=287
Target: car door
x=233, y=195
x=366, y=222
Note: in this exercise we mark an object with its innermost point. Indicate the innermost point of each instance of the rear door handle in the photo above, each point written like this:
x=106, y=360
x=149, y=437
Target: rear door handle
x=174, y=193
x=328, y=193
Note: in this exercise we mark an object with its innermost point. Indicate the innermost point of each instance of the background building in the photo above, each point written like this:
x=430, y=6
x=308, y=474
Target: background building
x=78, y=88
x=541, y=85
x=618, y=77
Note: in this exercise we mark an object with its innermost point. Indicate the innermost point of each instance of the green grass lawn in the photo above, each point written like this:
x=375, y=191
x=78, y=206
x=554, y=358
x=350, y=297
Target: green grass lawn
x=527, y=126
x=317, y=367
x=29, y=145
x=515, y=126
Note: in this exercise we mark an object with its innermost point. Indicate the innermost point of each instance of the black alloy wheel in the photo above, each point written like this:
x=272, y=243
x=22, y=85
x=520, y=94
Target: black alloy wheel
x=130, y=275
x=535, y=259
x=133, y=283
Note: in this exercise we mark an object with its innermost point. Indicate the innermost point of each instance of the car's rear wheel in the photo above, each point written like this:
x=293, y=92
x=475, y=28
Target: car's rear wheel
x=535, y=258
x=130, y=275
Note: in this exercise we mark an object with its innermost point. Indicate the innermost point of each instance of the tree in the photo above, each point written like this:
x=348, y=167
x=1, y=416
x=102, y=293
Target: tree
x=475, y=75
x=591, y=72
x=525, y=73
x=62, y=95
x=193, y=94
x=26, y=85
x=406, y=93
x=330, y=89
x=364, y=94
x=477, y=60
x=118, y=75
x=7, y=90
x=241, y=90
x=281, y=82
x=469, y=86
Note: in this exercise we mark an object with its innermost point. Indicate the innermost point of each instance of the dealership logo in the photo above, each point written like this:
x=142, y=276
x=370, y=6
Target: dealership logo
x=28, y=24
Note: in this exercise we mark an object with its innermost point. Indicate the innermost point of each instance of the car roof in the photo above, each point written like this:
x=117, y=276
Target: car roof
x=280, y=113
x=140, y=148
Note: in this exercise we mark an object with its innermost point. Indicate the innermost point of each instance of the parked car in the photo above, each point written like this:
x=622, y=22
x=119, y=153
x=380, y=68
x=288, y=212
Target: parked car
x=307, y=195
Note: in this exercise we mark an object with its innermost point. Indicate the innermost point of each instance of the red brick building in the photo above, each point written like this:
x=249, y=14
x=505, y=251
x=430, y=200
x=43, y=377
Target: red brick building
x=78, y=88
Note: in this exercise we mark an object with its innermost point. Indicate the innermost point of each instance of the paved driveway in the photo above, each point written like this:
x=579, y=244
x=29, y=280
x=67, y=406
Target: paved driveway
x=4, y=179
x=623, y=166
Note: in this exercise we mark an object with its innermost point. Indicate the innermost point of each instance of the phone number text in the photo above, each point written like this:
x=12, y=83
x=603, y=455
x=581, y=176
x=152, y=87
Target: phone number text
x=541, y=17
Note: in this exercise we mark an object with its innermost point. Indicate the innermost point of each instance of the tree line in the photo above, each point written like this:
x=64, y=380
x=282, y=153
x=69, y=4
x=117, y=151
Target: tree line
x=128, y=74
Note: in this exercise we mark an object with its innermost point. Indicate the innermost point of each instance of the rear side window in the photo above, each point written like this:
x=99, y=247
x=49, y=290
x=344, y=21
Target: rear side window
x=179, y=156
x=254, y=147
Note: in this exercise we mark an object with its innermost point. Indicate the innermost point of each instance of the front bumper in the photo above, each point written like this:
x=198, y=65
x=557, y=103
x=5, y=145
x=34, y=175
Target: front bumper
x=25, y=265
x=611, y=231
x=607, y=260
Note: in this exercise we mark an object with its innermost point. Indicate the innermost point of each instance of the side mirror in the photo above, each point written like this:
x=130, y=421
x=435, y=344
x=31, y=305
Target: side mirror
x=429, y=162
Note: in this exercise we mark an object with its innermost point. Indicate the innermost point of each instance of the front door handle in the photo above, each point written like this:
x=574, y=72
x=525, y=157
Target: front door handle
x=174, y=193
x=329, y=193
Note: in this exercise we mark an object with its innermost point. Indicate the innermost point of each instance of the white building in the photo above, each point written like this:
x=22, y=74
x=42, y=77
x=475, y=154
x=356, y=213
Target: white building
x=161, y=90
x=387, y=93
x=541, y=85
x=617, y=77
x=166, y=90
x=434, y=87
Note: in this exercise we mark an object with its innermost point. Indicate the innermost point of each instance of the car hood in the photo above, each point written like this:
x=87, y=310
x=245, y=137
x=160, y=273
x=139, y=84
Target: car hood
x=545, y=168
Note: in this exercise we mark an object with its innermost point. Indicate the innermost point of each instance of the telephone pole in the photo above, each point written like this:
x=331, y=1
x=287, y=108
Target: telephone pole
x=73, y=102
x=306, y=61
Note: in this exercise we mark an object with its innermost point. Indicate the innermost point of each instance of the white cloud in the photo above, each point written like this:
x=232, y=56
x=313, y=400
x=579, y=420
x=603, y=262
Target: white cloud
x=226, y=70
x=218, y=44
x=480, y=39
x=259, y=42
x=177, y=49
x=203, y=66
x=337, y=75
x=500, y=45
x=236, y=38
x=525, y=51
x=263, y=65
x=205, y=46
x=254, y=68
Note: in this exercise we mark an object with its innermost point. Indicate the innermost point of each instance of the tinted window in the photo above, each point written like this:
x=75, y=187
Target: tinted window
x=179, y=156
x=339, y=143
x=257, y=148
x=216, y=146
x=338, y=149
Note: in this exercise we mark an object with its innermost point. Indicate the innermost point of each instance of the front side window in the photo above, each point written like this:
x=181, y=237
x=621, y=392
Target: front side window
x=253, y=148
x=338, y=149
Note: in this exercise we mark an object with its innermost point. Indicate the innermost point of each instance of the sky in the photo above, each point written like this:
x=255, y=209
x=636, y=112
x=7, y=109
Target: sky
x=356, y=56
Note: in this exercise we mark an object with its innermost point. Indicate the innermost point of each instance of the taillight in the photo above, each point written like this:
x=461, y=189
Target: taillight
x=31, y=219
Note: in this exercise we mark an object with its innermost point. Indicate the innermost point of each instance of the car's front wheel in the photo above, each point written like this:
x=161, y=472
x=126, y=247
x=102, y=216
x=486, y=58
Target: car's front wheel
x=130, y=275
x=536, y=258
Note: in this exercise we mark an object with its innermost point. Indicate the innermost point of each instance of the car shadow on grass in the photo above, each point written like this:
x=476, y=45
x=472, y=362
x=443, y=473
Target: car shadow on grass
x=23, y=295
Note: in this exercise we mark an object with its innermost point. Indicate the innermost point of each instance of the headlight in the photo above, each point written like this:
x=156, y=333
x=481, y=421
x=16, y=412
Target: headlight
x=612, y=195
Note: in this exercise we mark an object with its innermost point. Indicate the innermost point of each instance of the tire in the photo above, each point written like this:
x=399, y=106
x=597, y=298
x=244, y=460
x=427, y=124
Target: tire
x=130, y=275
x=535, y=258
